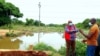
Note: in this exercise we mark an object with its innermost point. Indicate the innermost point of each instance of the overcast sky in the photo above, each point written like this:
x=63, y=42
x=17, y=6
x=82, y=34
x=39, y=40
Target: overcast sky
x=59, y=11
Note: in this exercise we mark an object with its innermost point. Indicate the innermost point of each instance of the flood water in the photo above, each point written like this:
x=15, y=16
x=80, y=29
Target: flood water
x=53, y=39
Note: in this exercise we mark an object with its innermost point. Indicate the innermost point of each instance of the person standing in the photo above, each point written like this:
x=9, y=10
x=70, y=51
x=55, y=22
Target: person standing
x=97, y=51
x=70, y=36
x=91, y=37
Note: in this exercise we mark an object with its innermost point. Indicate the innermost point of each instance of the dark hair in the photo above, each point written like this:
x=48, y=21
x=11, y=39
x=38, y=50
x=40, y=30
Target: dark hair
x=93, y=19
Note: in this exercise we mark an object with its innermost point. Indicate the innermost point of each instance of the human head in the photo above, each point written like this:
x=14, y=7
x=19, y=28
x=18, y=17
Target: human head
x=70, y=23
x=93, y=21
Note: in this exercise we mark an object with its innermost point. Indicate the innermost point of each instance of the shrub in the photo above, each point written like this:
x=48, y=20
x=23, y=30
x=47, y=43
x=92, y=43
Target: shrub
x=80, y=49
x=62, y=51
x=44, y=47
x=10, y=34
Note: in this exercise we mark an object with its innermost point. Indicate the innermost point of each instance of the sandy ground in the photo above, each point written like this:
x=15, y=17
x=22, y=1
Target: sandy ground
x=4, y=31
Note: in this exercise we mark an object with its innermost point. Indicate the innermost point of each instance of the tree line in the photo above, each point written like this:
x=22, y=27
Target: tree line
x=8, y=9
x=85, y=23
x=32, y=22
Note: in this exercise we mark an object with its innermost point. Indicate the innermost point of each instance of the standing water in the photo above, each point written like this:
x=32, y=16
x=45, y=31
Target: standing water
x=53, y=39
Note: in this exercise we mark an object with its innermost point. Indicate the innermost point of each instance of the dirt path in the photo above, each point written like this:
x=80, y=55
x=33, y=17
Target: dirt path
x=9, y=52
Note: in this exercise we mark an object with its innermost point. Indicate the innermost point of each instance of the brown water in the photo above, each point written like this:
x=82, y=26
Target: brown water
x=7, y=43
x=53, y=39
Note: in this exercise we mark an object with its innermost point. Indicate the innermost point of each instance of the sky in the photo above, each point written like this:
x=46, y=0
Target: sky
x=58, y=11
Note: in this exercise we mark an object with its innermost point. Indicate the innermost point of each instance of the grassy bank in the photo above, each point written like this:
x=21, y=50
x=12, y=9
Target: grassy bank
x=41, y=29
x=17, y=30
x=33, y=28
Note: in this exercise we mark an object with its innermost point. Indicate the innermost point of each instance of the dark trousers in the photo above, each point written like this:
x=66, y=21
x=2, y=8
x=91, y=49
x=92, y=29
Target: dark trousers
x=97, y=51
x=70, y=46
x=90, y=50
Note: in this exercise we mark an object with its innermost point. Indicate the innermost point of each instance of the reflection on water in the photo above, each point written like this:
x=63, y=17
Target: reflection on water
x=53, y=39
x=8, y=43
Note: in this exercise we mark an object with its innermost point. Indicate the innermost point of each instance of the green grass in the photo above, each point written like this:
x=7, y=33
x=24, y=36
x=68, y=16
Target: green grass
x=80, y=49
x=34, y=28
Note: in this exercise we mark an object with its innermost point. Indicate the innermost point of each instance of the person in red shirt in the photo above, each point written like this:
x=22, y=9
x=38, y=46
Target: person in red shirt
x=70, y=36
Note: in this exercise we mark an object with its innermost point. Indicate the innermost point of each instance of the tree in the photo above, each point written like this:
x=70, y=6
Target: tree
x=16, y=21
x=79, y=25
x=29, y=22
x=6, y=10
x=42, y=24
x=64, y=25
x=36, y=23
x=98, y=21
x=85, y=23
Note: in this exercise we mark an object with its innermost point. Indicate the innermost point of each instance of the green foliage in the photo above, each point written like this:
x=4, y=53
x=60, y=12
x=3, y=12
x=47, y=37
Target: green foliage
x=6, y=10
x=29, y=22
x=85, y=23
x=62, y=51
x=80, y=49
x=43, y=47
x=36, y=23
x=55, y=25
x=9, y=26
x=42, y=24
x=2, y=1
x=4, y=20
x=64, y=25
x=32, y=22
x=16, y=21
x=10, y=34
x=80, y=25
x=98, y=21
x=52, y=25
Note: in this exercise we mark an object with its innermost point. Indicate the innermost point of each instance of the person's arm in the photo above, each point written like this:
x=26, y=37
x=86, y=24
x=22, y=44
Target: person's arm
x=74, y=31
x=67, y=30
x=71, y=31
x=86, y=35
